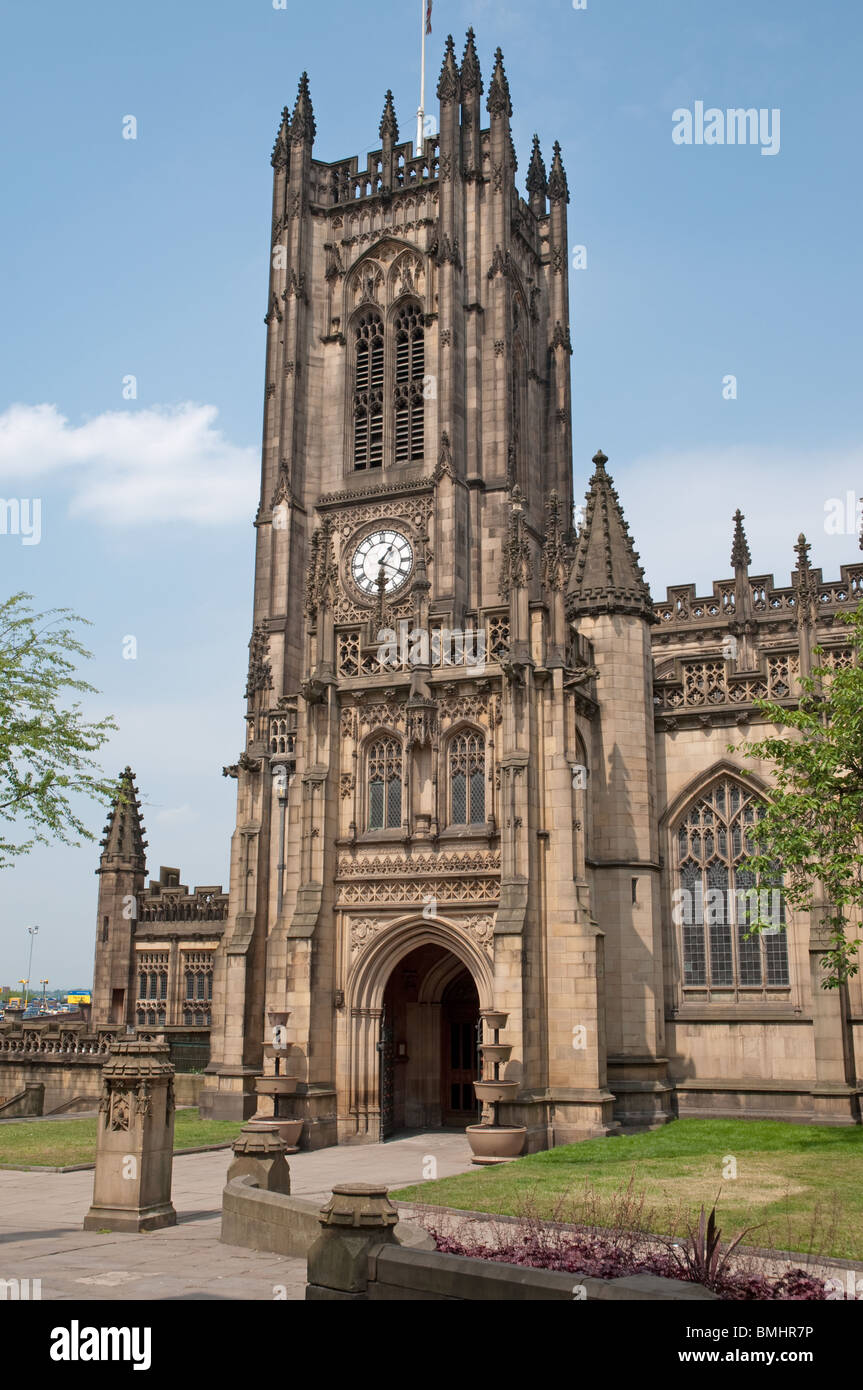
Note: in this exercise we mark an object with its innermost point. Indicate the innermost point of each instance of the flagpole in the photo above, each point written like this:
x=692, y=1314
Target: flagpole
x=418, y=149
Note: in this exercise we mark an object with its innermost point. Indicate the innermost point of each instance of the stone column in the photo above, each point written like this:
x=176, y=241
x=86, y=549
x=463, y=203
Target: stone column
x=358, y=1217
x=135, y=1145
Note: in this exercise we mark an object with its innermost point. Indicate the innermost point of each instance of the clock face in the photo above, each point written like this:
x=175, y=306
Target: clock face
x=388, y=549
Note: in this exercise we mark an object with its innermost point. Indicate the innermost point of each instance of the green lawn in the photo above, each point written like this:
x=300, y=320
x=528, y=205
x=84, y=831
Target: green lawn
x=58, y=1143
x=803, y=1182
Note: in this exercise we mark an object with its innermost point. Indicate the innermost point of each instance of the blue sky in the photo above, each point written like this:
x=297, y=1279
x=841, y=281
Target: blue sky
x=149, y=257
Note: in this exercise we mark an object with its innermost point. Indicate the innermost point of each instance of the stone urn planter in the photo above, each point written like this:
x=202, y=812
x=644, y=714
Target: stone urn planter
x=289, y=1131
x=490, y=1091
x=494, y=1142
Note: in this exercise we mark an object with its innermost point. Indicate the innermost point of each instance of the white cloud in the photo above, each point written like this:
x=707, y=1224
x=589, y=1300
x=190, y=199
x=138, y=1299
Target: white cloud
x=128, y=467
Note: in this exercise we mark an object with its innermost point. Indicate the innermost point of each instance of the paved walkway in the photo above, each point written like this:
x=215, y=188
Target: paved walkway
x=41, y=1215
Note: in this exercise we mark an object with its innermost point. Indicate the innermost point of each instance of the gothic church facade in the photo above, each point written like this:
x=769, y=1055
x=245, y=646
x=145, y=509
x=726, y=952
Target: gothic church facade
x=499, y=811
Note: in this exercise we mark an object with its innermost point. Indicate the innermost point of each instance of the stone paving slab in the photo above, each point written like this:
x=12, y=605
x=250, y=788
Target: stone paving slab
x=41, y=1218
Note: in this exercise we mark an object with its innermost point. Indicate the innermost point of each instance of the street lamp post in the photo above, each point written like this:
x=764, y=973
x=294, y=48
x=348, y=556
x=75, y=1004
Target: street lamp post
x=32, y=933
x=44, y=984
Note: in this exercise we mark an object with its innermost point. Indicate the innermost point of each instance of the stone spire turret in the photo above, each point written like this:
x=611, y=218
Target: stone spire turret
x=124, y=843
x=121, y=871
x=606, y=576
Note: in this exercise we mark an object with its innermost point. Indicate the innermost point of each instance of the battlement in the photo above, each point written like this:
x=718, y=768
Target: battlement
x=683, y=607
x=343, y=181
x=169, y=900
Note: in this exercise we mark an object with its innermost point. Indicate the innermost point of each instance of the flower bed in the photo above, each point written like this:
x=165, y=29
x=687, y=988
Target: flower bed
x=542, y=1245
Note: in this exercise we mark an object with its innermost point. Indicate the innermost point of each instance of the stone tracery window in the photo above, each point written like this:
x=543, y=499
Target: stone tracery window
x=368, y=405
x=467, y=779
x=715, y=897
x=152, y=987
x=198, y=993
x=385, y=784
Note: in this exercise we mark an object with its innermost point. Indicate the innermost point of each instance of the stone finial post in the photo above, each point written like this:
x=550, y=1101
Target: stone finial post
x=135, y=1144
x=358, y=1216
x=260, y=1153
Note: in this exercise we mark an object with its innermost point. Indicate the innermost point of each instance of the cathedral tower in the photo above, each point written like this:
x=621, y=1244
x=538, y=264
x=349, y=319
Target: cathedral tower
x=411, y=807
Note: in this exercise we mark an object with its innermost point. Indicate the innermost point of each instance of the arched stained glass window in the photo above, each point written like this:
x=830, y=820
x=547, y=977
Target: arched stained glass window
x=385, y=784
x=715, y=901
x=467, y=779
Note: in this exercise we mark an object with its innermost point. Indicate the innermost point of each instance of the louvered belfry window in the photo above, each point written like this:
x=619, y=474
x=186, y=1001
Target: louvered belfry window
x=385, y=784
x=467, y=780
x=369, y=392
x=408, y=384
x=718, y=902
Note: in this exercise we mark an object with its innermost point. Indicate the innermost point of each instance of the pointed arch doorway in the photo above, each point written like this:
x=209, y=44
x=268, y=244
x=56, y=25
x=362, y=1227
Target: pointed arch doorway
x=428, y=1042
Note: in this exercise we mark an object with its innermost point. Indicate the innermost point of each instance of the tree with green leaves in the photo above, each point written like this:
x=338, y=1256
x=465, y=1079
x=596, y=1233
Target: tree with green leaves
x=46, y=742
x=812, y=826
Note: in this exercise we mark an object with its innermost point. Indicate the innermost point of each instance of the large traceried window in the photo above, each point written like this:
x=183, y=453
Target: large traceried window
x=369, y=391
x=467, y=779
x=715, y=898
x=408, y=384
x=198, y=988
x=385, y=784
x=152, y=987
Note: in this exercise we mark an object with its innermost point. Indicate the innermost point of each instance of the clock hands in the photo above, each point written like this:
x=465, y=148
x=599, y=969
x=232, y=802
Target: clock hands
x=387, y=559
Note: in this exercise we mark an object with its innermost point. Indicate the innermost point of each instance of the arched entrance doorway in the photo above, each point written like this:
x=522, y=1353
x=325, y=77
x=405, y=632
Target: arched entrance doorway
x=428, y=1045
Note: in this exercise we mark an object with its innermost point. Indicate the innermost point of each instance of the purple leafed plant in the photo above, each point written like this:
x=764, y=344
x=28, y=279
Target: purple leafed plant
x=624, y=1248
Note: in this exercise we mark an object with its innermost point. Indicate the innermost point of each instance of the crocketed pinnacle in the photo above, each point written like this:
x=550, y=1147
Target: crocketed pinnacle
x=279, y=157
x=389, y=125
x=303, y=119
x=449, y=84
x=471, y=77
x=558, y=188
x=124, y=834
x=606, y=576
x=536, y=179
x=498, y=102
x=801, y=550
x=740, y=556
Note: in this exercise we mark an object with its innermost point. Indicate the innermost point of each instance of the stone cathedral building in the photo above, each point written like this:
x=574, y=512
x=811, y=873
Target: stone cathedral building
x=500, y=813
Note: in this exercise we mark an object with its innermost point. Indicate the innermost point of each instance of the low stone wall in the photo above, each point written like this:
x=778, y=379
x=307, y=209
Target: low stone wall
x=271, y=1221
x=62, y=1083
x=794, y=1102
x=284, y=1225
x=401, y=1275
x=74, y=1080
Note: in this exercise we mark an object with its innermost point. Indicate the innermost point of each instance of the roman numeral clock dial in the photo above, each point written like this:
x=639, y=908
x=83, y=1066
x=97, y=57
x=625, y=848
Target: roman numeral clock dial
x=385, y=549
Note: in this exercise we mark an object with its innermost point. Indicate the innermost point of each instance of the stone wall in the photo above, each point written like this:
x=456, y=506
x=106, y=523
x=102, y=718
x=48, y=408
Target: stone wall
x=398, y=1275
